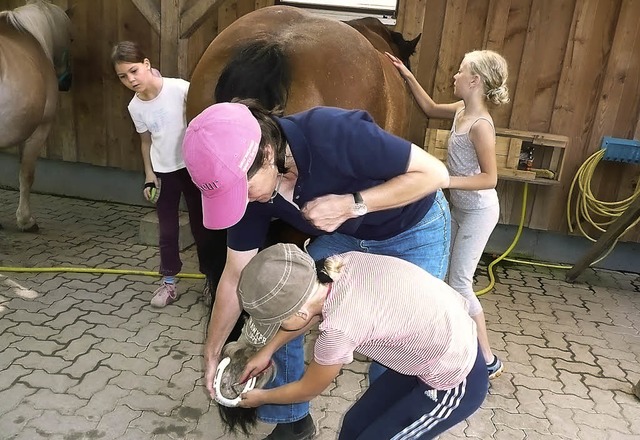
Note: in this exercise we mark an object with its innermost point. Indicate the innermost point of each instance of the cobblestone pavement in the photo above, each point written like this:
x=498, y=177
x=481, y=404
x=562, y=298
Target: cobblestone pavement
x=84, y=356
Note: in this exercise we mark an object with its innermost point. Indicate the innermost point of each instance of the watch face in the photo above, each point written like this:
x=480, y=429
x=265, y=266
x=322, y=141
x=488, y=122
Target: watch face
x=360, y=209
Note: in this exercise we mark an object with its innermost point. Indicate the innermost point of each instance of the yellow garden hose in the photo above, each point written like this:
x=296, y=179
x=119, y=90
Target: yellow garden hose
x=587, y=207
x=94, y=270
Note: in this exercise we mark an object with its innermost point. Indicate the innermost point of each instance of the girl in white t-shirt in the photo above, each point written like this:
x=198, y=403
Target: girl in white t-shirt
x=158, y=113
x=382, y=307
x=471, y=160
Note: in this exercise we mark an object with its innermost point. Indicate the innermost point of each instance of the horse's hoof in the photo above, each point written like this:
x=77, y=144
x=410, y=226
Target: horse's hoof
x=33, y=228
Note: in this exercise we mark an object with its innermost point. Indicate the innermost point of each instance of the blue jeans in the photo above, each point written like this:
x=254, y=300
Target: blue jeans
x=426, y=244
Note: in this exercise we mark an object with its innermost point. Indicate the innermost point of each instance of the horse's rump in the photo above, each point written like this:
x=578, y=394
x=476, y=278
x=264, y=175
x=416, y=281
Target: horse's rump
x=327, y=62
x=26, y=77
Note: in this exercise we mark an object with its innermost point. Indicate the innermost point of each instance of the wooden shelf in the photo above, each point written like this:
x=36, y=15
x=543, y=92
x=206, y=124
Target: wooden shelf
x=548, y=153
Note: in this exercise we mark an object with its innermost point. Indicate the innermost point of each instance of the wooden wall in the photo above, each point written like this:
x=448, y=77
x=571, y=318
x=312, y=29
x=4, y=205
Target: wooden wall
x=574, y=70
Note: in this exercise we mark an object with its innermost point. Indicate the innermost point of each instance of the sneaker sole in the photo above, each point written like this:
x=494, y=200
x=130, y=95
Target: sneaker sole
x=496, y=373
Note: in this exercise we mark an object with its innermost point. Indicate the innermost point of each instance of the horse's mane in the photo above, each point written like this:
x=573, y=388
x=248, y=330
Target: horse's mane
x=258, y=70
x=46, y=22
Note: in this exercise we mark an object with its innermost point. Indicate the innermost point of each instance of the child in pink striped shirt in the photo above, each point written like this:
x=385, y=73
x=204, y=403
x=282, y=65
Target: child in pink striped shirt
x=385, y=308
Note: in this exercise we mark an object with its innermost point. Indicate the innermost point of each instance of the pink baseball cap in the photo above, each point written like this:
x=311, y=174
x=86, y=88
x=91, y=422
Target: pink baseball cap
x=219, y=147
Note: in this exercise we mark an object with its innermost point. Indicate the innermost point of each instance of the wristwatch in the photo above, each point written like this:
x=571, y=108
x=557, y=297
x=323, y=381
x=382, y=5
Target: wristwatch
x=360, y=208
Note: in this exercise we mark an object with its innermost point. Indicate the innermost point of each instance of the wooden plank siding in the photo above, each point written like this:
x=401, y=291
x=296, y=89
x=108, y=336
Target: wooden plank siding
x=574, y=69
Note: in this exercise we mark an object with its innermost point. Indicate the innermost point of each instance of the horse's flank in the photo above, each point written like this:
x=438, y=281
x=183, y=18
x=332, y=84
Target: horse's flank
x=330, y=64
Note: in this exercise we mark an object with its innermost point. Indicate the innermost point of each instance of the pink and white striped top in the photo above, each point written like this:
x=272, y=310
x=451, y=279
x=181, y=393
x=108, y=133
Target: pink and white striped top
x=400, y=316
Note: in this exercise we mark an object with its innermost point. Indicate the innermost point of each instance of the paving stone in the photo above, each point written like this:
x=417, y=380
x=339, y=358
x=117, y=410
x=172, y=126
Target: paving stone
x=13, y=396
x=14, y=422
x=71, y=332
x=52, y=422
x=77, y=347
x=66, y=319
x=33, y=361
x=58, y=383
x=65, y=404
x=92, y=382
x=521, y=421
x=122, y=363
x=28, y=329
x=85, y=363
x=103, y=401
x=115, y=424
x=153, y=422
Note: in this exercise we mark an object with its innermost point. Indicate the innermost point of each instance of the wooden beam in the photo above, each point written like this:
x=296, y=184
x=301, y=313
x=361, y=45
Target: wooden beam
x=169, y=47
x=150, y=12
x=193, y=17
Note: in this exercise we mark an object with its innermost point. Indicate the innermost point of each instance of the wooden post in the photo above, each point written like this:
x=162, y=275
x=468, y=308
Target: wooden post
x=174, y=28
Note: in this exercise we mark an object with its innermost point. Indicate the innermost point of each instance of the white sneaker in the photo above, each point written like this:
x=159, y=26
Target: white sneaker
x=164, y=295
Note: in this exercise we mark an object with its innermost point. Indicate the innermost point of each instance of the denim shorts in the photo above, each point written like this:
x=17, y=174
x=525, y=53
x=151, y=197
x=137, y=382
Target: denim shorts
x=426, y=244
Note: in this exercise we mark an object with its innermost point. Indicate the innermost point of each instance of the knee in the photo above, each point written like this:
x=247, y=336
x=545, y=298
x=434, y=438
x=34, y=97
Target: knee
x=475, y=308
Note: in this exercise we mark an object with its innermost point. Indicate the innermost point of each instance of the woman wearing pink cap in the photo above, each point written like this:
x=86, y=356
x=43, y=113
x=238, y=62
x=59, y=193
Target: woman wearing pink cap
x=328, y=172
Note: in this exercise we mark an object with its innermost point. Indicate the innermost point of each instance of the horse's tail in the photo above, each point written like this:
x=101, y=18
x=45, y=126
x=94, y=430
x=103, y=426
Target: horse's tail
x=259, y=70
x=46, y=22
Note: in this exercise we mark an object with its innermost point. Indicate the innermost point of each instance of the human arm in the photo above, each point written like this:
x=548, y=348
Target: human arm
x=225, y=313
x=425, y=102
x=315, y=380
x=424, y=175
x=149, y=175
x=484, y=140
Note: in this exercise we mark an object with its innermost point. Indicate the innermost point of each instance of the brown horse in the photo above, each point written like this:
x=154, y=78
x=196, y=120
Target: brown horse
x=291, y=58
x=34, y=43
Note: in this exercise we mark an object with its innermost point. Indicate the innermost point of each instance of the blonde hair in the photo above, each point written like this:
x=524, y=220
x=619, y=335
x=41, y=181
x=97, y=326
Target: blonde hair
x=492, y=68
x=333, y=267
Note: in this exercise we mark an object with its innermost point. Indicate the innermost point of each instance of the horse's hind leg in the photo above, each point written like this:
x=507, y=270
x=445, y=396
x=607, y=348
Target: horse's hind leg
x=30, y=152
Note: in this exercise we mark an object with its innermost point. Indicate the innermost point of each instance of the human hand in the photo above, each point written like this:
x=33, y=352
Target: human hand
x=252, y=399
x=150, y=182
x=328, y=212
x=256, y=364
x=399, y=65
x=210, y=366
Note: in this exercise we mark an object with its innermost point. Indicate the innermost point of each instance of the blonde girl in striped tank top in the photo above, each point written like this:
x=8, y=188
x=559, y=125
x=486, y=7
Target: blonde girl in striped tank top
x=481, y=78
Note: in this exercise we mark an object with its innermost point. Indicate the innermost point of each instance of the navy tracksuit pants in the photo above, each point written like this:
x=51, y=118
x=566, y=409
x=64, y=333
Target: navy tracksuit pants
x=399, y=407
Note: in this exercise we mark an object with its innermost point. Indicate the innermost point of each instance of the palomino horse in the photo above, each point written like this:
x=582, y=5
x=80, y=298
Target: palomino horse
x=290, y=58
x=34, y=42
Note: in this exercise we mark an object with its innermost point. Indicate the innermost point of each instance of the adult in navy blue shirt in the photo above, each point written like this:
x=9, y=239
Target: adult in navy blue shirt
x=329, y=172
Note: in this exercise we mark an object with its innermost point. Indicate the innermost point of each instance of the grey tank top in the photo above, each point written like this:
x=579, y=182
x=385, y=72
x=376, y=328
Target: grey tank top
x=462, y=160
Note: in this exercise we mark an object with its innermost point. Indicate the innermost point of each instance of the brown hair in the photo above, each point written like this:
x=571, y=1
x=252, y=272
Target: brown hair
x=271, y=135
x=127, y=52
